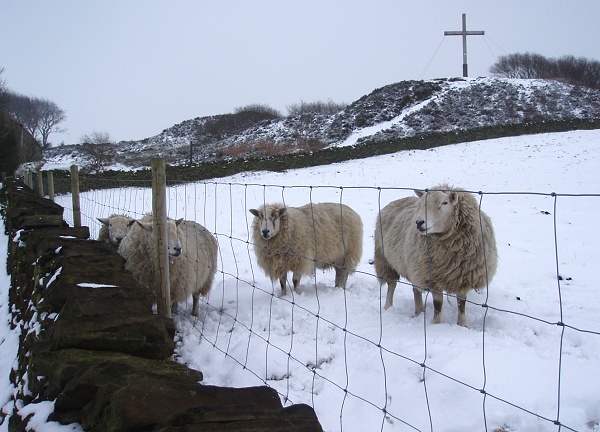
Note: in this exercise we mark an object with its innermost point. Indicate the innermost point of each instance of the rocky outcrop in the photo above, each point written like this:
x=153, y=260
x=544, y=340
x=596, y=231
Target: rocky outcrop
x=92, y=344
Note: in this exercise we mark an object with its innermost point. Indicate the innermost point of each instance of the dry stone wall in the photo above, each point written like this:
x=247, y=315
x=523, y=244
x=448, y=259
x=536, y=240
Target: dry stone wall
x=91, y=343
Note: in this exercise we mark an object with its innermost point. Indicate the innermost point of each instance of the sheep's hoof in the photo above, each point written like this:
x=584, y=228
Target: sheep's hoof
x=437, y=319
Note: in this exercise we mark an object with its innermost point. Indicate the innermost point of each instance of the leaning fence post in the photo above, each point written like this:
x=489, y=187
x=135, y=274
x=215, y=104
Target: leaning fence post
x=159, y=225
x=40, y=184
x=75, y=196
x=50, y=185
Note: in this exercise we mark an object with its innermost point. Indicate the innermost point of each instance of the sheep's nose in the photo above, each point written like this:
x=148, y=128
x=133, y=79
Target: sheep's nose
x=177, y=250
x=265, y=233
x=420, y=224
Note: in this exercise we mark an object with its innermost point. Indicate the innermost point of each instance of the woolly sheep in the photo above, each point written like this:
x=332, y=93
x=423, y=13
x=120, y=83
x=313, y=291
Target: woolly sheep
x=113, y=229
x=439, y=241
x=192, y=257
x=286, y=239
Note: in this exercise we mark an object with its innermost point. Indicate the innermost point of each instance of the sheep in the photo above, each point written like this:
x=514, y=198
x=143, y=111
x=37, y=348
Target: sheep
x=440, y=241
x=192, y=257
x=113, y=229
x=302, y=239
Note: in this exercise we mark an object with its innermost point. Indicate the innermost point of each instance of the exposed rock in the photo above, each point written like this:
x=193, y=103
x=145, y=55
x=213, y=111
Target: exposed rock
x=395, y=111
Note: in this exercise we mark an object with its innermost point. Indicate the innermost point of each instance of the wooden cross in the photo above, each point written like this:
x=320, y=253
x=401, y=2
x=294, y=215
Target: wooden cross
x=464, y=33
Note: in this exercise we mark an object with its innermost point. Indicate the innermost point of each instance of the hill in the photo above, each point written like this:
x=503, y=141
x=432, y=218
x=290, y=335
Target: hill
x=394, y=112
x=534, y=336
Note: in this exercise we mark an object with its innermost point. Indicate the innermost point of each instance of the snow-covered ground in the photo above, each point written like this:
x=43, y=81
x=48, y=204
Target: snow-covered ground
x=366, y=369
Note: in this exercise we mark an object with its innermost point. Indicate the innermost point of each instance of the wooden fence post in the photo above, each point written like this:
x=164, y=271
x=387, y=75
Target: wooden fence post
x=29, y=181
x=40, y=184
x=75, y=196
x=159, y=225
x=50, y=185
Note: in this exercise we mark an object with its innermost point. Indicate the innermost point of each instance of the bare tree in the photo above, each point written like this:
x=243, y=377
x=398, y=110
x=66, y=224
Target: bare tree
x=579, y=71
x=99, y=149
x=569, y=69
x=592, y=74
x=317, y=107
x=50, y=116
x=523, y=66
x=23, y=110
x=96, y=137
x=3, y=92
x=39, y=116
x=259, y=108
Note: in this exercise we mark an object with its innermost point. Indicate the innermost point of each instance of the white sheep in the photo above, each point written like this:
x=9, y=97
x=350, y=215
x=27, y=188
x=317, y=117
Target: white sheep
x=302, y=239
x=192, y=257
x=113, y=229
x=440, y=241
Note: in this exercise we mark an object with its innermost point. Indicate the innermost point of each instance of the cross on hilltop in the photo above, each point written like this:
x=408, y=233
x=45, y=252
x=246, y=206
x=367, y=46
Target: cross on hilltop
x=464, y=33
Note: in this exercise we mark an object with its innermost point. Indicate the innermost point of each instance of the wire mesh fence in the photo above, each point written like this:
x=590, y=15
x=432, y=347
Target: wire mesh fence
x=529, y=356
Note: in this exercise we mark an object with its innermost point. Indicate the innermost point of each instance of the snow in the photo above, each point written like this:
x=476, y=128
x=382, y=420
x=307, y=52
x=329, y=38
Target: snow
x=9, y=339
x=368, y=131
x=397, y=110
x=95, y=285
x=516, y=368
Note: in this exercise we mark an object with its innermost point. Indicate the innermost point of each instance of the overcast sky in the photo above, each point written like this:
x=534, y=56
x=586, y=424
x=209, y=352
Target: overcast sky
x=133, y=68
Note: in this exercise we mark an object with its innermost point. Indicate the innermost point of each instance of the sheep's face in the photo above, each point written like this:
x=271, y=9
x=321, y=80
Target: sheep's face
x=118, y=227
x=173, y=243
x=434, y=211
x=267, y=221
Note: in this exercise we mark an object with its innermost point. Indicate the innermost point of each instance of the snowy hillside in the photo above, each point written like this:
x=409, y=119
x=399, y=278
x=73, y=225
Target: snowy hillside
x=398, y=110
x=529, y=360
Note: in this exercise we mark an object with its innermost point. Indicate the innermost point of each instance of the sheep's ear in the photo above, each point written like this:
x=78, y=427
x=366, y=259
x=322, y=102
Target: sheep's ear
x=178, y=221
x=145, y=225
x=453, y=197
x=279, y=212
x=148, y=226
x=131, y=222
x=419, y=193
x=103, y=220
x=255, y=212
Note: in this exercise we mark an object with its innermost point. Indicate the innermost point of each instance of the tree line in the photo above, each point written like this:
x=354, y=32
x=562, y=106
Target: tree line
x=39, y=116
x=568, y=69
x=26, y=123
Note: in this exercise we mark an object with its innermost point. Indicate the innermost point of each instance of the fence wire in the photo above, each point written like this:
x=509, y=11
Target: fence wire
x=315, y=346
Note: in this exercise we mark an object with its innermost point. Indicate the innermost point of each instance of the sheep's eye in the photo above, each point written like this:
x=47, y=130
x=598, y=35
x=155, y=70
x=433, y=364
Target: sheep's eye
x=445, y=203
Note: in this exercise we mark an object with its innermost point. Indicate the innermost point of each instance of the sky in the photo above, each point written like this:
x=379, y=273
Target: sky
x=533, y=371
x=135, y=68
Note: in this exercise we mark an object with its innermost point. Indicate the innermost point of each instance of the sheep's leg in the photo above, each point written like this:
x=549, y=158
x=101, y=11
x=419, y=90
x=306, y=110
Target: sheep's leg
x=418, y=295
x=389, y=299
x=282, y=282
x=296, y=281
x=341, y=277
x=195, y=304
x=438, y=302
x=462, y=316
